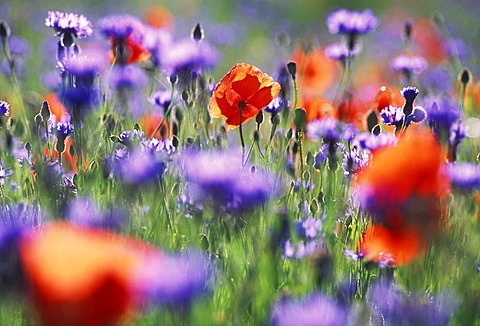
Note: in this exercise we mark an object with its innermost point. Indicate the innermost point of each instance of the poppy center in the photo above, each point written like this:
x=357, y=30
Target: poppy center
x=242, y=105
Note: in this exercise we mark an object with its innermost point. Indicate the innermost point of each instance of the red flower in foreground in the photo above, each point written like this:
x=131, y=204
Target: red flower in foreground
x=81, y=276
x=127, y=51
x=403, y=189
x=244, y=88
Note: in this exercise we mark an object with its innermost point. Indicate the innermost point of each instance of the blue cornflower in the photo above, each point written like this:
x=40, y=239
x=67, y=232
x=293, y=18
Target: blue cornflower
x=309, y=227
x=395, y=116
x=390, y=305
x=18, y=50
x=85, y=68
x=158, y=146
x=352, y=24
x=442, y=113
x=127, y=76
x=353, y=160
x=326, y=129
x=316, y=309
x=344, y=21
x=408, y=65
x=84, y=211
x=62, y=129
x=121, y=26
x=161, y=99
x=4, y=109
x=438, y=79
x=131, y=138
x=176, y=280
x=372, y=142
x=409, y=93
x=219, y=177
x=137, y=168
x=188, y=58
x=340, y=51
x=284, y=78
x=69, y=23
x=277, y=104
x=464, y=176
x=14, y=222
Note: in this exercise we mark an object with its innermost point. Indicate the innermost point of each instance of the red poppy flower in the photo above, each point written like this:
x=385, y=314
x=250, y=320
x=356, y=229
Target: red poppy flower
x=396, y=246
x=159, y=17
x=318, y=108
x=56, y=107
x=132, y=50
x=149, y=124
x=403, y=188
x=82, y=276
x=316, y=72
x=244, y=88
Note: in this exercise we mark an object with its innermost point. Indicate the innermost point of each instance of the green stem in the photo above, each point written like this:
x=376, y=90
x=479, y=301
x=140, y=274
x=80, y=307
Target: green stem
x=241, y=105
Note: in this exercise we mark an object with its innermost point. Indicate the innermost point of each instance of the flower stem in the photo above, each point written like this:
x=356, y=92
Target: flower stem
x=241, y=105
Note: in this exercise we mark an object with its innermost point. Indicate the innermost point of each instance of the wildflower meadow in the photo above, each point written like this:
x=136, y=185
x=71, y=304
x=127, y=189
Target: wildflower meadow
x=239, y=163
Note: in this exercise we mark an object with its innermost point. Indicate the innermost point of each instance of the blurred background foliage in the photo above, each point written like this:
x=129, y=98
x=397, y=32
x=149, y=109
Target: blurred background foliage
x=263, y=33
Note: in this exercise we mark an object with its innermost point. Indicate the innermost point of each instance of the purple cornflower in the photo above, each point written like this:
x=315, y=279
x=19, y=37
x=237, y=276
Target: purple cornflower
x=326, y=129
x=131, y=138
x=188, y=58
x=15, y=220
x=408, y=65
x=344, y=21
x=158, y=146
x=137, y=167
x=372, y=142
x=176, y=280
x=442, y=113
x=157, y=41
x=309, y=227
x=340, y=51
x=18, y=50
x=85, y=212
x=390, y=305
x=394, y=116
x=352, y=255
x=62, y=129
x=127, y=76
x=277, y=104
x=464, y=176
x=4, y=109
x=126, y=35
x=161, y=99
x=219, y=177
x=316, y=309
x=352, y=24
x=65, y=23
x=353, y=160
x=121, y=26
x=284, y=78
x=85, y=68
x=438, y=79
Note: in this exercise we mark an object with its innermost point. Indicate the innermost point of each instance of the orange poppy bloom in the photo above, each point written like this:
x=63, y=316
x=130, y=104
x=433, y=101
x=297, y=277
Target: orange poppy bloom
x=150, y=122
x=411, y=167
x=244, y=88
x=56, y=107
x=316, y=72
x=403, y=187
x=69, y=161
x=159, y=17
x=82, y=276
x=317, y=108
x=396, y=246
x=133, y=51
x=387, y=96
